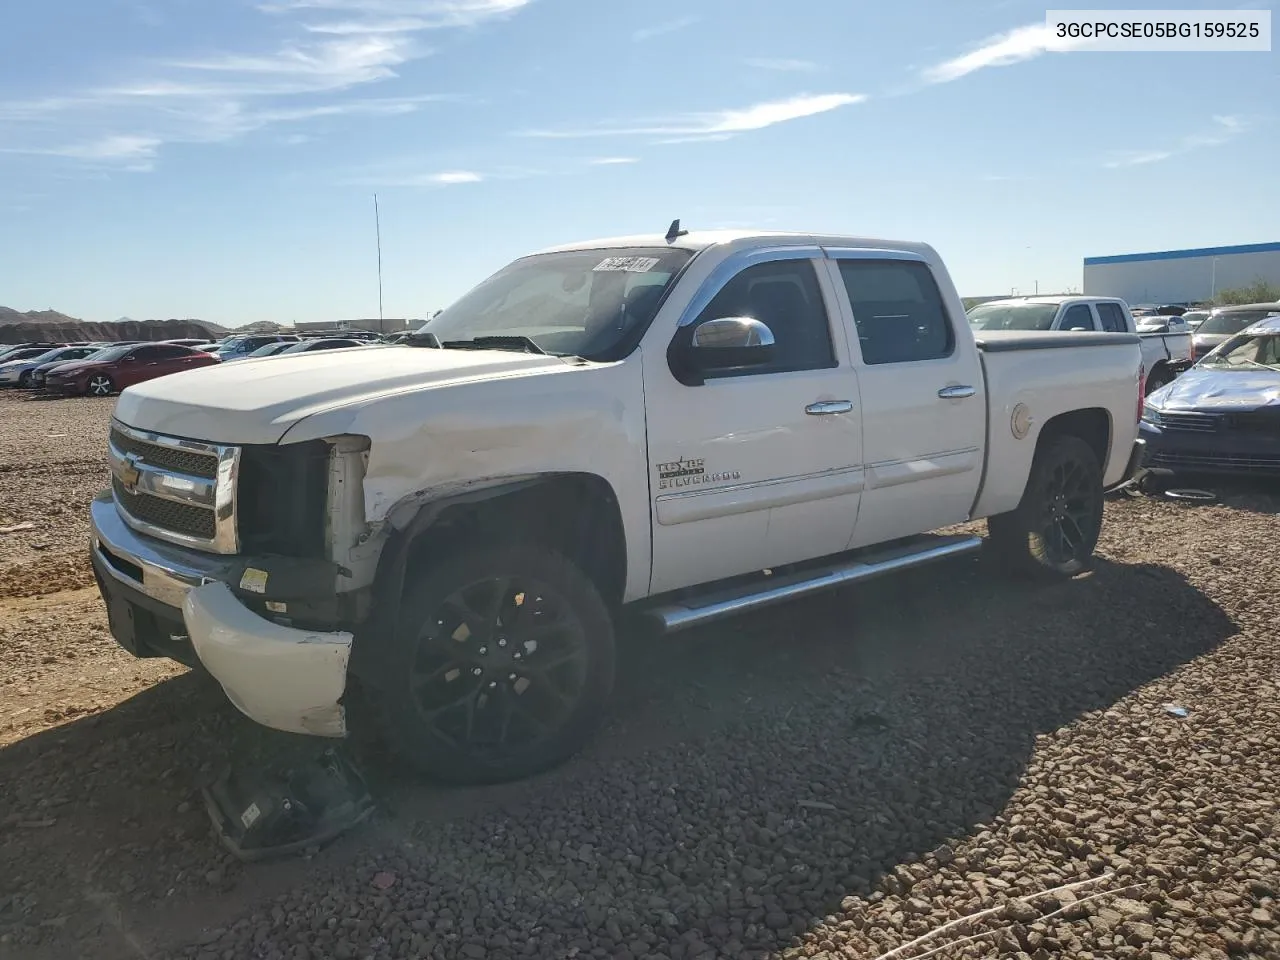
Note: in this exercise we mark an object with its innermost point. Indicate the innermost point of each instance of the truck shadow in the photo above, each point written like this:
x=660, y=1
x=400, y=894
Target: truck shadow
x=826, y=741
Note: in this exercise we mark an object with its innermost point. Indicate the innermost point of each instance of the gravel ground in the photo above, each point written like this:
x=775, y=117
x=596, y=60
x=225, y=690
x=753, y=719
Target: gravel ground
x=51, y=467
x=834, y=778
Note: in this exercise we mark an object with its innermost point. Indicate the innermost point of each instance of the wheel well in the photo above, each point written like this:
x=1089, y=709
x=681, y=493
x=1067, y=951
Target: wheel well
x=1093, y=426
x=576, y=514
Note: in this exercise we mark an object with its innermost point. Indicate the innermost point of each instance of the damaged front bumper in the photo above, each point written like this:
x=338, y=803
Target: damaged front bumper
x=168, y=601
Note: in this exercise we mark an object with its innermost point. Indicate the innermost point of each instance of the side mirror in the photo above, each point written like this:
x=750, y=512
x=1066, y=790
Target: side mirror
x=731, y=343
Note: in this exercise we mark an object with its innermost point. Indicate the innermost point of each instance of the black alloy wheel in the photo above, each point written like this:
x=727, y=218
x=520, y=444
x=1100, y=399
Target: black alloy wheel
x=501, y=666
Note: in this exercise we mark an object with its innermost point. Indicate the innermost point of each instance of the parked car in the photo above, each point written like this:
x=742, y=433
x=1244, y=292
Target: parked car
x=1194, y=318
x=1166, y=350
x=692, y=425
x=1223, y=415
x=187, y=342
x=15, y=360
x=1225, y=322
x=21, y=351
x=21, y=373
x=320, y=343
x=1161, y=323
x=40, y=374
x=238, y=348
x=271, y=349
x=118, y=367
x=204, y=346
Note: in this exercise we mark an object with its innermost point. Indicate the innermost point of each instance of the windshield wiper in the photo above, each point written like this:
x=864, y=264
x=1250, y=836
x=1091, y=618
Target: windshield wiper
x=515, y=342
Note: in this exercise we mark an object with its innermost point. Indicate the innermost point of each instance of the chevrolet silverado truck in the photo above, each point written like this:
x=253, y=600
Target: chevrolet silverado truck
x=689, y=426
x=1166, y=352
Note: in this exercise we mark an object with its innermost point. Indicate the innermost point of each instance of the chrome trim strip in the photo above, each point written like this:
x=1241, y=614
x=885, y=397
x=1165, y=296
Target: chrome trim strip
x=680, y=616
x=161, y=440
x=167, y=575
x=165, y=484
x=226, y=538
x=734, y=265
x=870, y=253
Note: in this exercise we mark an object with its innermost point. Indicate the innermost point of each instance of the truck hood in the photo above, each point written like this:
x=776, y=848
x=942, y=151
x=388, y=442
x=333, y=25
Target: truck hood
x=1205, y=388
x=257, y=401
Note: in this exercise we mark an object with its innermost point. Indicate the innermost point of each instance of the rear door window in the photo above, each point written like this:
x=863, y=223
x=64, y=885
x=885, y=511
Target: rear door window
x=1112, y=317
x=898, y=310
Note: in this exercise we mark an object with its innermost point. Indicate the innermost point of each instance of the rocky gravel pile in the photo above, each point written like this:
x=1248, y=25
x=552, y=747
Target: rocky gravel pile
x=1084, y=769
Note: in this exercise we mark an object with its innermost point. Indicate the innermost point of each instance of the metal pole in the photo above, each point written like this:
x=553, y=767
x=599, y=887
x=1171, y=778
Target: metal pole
x=377, y=226
x=1213, y=279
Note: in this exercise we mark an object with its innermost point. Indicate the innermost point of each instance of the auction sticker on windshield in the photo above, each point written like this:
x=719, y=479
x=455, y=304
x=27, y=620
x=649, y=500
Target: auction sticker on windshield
x=626, y=265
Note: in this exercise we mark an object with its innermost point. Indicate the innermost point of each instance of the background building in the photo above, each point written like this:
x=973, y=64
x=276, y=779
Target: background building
x=1181, y=276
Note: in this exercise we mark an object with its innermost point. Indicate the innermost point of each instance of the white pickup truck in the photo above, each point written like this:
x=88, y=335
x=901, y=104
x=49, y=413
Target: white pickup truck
x=692, y=426
x=1165, y=353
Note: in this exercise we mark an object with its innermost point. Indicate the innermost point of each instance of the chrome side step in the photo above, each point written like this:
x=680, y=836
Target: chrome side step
x=695, y=611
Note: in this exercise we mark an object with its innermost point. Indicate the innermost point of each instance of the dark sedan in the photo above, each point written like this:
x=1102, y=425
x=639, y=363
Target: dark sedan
x=1222, y=415
x=115, y=368
x=1225, y=322
x=34, y=376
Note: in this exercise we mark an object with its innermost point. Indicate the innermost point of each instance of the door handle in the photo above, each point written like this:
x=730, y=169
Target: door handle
x=824, y=408
x=958, y=392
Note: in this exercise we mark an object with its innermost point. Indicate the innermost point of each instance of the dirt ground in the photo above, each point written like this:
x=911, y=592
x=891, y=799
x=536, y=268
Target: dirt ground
x=834, y=778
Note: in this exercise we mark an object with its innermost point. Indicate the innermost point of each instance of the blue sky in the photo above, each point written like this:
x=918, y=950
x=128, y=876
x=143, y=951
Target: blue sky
x=217, y=158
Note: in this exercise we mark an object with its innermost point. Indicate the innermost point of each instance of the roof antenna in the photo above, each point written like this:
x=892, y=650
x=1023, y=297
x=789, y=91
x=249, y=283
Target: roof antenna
x=674, y=231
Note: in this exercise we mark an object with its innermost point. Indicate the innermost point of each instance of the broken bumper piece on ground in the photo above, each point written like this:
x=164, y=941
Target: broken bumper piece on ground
x=258, y=815
x=282, y=677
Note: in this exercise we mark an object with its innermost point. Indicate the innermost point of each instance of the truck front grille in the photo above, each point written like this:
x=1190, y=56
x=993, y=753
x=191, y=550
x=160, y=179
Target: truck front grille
x=181, y=518
x=174, y=489
x=178, y=459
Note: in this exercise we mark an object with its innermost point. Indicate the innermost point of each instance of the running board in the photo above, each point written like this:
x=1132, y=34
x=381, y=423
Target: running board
x=695, y=611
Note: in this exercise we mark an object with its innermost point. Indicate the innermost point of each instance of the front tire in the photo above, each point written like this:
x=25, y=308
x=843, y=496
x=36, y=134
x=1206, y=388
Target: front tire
x=1056, y=526
x=1159, y=378
x=500, y=667
x=100, y=385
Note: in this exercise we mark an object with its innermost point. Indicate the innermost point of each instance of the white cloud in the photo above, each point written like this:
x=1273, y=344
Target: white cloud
x=331, y=47
x=660, y=29
x=1015, y=46
x=612, y=161
x=450, y=177
x=717, y=125
x=782, y=65
x=1224, y=129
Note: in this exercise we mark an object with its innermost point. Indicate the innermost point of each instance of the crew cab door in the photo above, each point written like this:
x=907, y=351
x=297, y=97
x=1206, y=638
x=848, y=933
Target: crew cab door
x=757, y=466
x=923, y=394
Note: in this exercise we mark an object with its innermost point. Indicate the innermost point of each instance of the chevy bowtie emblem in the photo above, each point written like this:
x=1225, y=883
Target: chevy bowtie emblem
x=130, y=474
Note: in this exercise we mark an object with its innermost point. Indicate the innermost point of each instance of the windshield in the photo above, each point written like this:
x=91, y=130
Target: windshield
x=1195, y=316
x=1232, y=322
x=267, y=350
x=1013, y=316
x=113, y=353
x=577, y=303
x=1247, y=353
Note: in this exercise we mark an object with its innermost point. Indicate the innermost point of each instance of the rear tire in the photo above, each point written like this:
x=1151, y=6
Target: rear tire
x=1055, y=528
x=24, y=380
x=100, y=385
x=500, y=667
